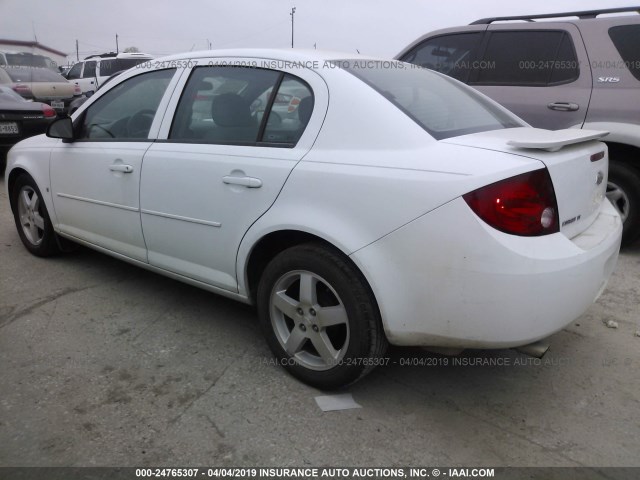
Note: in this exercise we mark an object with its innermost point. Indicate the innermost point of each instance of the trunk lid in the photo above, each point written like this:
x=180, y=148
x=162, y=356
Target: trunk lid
x=52, y=90
x=577, y=163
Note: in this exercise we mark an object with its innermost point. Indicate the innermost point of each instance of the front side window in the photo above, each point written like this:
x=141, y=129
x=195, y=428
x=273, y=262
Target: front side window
x=127, y=110
x=242, y=106
x=528, y=58
x=626, y=38
x=453, y=55
x=440, y=105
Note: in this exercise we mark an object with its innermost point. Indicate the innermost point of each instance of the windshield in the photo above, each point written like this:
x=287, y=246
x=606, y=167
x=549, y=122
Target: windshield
x=442, y=106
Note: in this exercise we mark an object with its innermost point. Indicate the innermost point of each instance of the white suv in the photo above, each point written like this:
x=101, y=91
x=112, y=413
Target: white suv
x=93, y=70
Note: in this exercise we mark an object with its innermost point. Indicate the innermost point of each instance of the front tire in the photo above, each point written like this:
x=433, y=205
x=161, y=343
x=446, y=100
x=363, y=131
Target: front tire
x=32, y=219
x=623, y=190
x=319, y=317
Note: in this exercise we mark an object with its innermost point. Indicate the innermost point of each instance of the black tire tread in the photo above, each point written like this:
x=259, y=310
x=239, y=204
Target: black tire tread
x=364, y=299
x=628, y=178
x=49, y=245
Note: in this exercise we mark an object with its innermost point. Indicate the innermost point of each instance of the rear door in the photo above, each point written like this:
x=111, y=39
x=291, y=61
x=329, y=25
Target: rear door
x=539, y=71
x=225, y=156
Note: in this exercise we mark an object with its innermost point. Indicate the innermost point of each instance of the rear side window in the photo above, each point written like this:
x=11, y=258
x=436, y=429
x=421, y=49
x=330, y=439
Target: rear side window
x=528, y=58
x=453, y=55
x=89, y=70
x=443, y=107
x=108, y=67
x=242, y=106
x=626, y=38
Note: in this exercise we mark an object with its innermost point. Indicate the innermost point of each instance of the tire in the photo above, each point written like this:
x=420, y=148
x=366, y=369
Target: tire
x=331, y=335
x=3, y=161
x=623, y=189
x=32, y=219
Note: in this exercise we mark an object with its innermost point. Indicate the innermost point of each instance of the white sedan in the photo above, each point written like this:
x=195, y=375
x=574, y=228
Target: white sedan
x=398, y=206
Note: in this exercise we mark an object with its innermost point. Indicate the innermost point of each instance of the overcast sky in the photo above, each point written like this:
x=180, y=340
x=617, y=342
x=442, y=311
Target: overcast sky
x=374, y=27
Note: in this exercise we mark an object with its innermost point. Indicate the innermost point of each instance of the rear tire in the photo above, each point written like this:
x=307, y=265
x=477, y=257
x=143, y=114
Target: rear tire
x=319, y=317
x=623, y=190
x=32, y=218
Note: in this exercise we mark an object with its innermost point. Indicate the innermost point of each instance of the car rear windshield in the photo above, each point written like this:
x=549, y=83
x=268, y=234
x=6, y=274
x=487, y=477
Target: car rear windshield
x=443, y=107
x=626, y=38
x=27, y=60
x=34, y=75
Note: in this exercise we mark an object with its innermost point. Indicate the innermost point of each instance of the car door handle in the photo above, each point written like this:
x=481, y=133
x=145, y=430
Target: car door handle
x=248, y=182
x=564, y=106
x=119, y=167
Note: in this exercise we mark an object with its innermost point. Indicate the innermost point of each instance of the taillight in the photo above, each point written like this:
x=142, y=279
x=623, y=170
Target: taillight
x=22, y=89
x=293, y=104
x=523, y=205
x=77, y=90
x=47, y=111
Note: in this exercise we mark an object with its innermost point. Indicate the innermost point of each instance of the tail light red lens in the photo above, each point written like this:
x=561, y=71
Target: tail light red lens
x=77, y=90
x=523, y=205
x=22, y=89
x=48, y=111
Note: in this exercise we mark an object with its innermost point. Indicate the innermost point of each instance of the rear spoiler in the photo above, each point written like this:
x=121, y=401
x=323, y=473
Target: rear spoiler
x=552, y=140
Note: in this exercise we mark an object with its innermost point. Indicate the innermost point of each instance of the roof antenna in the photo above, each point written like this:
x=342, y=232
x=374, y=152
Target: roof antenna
x=33, y=27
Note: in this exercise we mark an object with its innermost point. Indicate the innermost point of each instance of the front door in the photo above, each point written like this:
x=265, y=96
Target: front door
x=95, y=180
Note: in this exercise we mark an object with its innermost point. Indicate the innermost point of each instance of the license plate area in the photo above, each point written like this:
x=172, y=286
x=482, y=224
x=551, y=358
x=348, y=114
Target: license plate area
x=57, y=105
x=9, y=128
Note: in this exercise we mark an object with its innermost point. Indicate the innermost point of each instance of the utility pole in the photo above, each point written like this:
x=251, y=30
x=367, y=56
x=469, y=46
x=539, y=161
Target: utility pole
x=117, y=48
x=293, y=12
x=77, y=52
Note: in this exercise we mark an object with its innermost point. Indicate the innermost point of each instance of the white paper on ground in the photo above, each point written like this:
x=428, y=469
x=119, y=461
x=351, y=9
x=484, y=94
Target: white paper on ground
x=328, y=403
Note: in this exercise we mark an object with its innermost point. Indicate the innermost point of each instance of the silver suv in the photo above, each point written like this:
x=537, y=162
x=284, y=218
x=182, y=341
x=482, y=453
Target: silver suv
x=564, y=70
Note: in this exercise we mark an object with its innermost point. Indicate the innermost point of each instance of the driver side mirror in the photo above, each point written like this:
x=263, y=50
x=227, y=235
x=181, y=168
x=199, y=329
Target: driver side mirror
x=61, y=128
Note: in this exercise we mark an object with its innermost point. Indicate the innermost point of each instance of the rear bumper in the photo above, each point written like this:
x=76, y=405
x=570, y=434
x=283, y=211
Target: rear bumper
x=66, y=101
x=448, y=279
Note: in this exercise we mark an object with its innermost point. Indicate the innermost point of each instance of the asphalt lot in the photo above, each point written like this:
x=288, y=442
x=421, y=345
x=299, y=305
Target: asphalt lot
x=102, y=363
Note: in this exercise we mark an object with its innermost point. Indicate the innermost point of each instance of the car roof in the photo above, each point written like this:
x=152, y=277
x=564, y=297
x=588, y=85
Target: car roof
x=581, y=15
x=283, y=54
